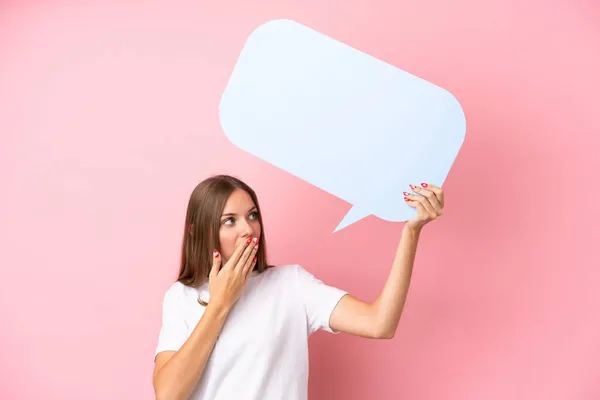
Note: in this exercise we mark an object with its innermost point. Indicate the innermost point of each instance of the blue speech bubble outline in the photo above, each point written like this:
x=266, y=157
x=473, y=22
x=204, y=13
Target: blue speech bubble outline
x=287, y=33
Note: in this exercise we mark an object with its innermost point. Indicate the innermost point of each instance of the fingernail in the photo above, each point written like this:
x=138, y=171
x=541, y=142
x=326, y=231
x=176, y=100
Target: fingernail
x=424, y=185
x=215, y=253
x=249, y=240
x=406, y=198
x=254, y=260
x=255, y=240
x=406, y=194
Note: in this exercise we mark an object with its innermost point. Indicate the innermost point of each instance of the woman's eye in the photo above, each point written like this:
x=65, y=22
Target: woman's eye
x=228, y=221
x=254, y=215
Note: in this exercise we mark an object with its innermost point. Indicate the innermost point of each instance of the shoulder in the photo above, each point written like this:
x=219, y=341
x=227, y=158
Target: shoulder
x=284, y=271
x=280, y=276
x=177, y=292
x=287, y=275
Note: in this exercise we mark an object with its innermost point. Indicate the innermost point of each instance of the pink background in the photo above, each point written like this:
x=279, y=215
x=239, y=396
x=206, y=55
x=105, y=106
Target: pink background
x=108, y=115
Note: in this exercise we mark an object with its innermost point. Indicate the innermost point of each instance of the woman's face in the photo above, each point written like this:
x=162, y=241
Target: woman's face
x=238, y=222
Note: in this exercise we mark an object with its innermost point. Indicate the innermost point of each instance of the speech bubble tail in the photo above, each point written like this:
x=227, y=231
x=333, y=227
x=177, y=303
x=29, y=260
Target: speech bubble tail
x=353, y=215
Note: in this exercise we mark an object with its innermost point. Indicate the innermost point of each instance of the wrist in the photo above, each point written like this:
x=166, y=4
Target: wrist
x=411, y=229
x=219, y=306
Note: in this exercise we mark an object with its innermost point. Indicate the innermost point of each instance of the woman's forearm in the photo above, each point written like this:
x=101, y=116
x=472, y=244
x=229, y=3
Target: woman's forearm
x=390, y=303
x=180, y=374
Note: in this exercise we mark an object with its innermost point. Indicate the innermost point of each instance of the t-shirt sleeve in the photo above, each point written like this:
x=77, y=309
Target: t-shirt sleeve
x=173, y=332
x=319, y=300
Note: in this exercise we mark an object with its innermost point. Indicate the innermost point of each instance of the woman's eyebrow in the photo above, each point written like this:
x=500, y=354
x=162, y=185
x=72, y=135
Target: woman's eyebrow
x=233, y=214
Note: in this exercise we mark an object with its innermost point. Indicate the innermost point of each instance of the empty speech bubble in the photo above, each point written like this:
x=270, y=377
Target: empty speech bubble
x=342, y=120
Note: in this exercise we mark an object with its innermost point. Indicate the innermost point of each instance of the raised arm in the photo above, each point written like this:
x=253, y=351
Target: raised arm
x=380, y=319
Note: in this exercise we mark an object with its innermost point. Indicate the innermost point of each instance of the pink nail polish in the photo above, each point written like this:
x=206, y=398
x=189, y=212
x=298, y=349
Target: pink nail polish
x=424, y=185
x=215, y=253
x=406, y=198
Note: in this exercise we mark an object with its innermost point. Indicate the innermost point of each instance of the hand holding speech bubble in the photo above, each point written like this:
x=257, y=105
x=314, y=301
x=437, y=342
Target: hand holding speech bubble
x=342, y=120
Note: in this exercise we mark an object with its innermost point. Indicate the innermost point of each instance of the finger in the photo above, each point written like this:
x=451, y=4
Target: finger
x=416, y=204
x=432, y=198
x=216, y=264
x=239, y=266
x=427, y=208
x=247, y=270
x=254, y=261
x=439, y=192
x=237, y=254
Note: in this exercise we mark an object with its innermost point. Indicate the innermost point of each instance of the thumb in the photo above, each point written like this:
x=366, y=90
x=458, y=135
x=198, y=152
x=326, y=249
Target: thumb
x=215, y=264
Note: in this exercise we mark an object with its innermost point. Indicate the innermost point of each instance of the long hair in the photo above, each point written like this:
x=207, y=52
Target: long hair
x=201, y=229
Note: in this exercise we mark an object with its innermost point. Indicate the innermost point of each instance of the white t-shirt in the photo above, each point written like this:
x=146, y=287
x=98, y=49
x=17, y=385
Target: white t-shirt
x=262, y=350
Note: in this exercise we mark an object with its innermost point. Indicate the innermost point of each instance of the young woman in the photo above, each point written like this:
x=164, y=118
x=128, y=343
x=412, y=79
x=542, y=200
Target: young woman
x=235, y=327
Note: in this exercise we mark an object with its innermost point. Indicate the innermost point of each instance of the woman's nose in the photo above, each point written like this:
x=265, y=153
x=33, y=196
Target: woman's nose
x=246, y=229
